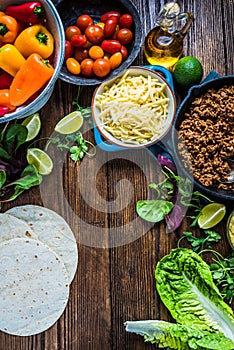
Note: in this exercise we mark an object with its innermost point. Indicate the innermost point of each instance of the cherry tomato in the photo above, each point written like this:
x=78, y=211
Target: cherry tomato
x=111, y=46
x=96, y=52
x=94, y=34
x=71, y=31
x=78, y=40
x=101, y=67
x=125, y=21
x=86, y=67
x=108, y=14
x=68, y=49
x=116, y=60
x=124, y=52
x=81, y=53
x=115, y=32
x=83, y=22
x=73, y=65
x=110, y=26
x=124, y=36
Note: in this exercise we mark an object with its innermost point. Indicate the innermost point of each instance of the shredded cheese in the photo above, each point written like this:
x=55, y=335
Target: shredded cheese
x=134, y=109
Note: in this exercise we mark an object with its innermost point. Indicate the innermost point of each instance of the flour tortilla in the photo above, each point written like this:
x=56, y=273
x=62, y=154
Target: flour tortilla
x=12, y=227
x=34, y=287
x=52, y=230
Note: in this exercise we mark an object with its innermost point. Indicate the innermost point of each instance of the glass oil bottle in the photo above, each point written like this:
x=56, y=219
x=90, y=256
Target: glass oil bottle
x=164, y=44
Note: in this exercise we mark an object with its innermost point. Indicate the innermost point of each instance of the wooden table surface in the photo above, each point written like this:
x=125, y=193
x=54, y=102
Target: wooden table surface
x=117, y=251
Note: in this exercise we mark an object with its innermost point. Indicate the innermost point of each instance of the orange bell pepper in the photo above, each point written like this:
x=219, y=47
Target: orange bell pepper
x=5, y=99
x=10, y=59
x=35, y=39
x=9, y=28
x=31, y=77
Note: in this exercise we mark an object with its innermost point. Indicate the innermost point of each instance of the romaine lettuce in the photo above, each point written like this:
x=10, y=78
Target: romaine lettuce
x=176, y=336
x=185, y=285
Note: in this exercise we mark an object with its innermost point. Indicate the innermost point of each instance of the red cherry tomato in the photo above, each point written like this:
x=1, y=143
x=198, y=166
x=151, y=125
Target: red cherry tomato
x=125, y=21
x=68, y=50
x=108, y=14
x=101, y=67
x=111, y=46
x=83, y=22
x=71, y=31
x=94, y=34
x=78, y=40
x=124, y=36
x=5, y=80
x=124, y=52
x=81, y=53
x=86, y=67
x=110, y=26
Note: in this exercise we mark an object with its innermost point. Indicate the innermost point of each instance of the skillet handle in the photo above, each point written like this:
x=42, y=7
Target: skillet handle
x=109, y=147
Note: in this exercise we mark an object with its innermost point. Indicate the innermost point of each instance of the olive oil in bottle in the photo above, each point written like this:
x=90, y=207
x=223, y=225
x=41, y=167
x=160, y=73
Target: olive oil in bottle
x=164, y=44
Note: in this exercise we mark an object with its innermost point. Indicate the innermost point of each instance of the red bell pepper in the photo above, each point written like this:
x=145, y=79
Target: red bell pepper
x=28, y=12
x=5, y=80
x=4, y=110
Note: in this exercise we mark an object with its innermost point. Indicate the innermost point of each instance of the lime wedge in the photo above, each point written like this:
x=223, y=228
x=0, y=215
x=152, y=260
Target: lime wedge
x=70, y=123
x=33, y=124
x=211, y=215
x=40, y=160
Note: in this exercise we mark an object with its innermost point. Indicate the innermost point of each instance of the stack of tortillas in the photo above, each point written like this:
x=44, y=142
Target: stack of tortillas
x=38, y=261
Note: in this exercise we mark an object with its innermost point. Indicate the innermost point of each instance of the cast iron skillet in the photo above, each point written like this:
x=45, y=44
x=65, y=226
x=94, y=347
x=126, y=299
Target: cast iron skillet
x=196, y=91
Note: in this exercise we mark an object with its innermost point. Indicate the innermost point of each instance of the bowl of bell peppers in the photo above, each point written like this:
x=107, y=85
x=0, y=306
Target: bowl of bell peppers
x=32, y=45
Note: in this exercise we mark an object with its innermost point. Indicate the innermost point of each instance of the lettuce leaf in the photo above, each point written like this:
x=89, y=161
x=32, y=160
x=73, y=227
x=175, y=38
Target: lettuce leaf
x=175, y=336
x=185, y=285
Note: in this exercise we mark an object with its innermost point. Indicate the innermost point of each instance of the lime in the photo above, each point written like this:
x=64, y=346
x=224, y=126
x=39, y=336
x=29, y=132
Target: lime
x=40, y=159
x=188, y=71
x=33, y=124
x=70, y=123
x=211, y=215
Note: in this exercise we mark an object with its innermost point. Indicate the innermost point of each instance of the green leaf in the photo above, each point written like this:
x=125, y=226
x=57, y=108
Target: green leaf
x=4, y=154
x=153, y=210
x=2, y=177
x=185, y=285
x=14, y=136
x=29, y=178
x=176, y=336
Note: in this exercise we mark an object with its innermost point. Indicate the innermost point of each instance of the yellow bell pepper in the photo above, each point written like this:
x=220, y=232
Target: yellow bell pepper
x=35, y=39
x=9, y=28
x=10, y=59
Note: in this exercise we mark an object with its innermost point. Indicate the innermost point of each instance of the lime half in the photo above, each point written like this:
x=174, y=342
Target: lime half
x=211, y=215
x=40, y=159
x=70, y=123
x=33, y=124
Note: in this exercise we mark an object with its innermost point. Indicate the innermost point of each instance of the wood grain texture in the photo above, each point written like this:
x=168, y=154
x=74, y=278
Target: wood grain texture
x=97, y=198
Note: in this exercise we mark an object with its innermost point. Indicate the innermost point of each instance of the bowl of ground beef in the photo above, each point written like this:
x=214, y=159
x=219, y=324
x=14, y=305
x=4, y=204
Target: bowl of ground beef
x=204, y=137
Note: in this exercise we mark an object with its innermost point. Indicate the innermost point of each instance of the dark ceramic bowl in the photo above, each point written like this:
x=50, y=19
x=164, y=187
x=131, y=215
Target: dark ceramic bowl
x=194, y=92
x=69, y=10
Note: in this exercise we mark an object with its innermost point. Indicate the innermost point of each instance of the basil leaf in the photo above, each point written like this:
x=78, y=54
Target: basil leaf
x=14, y=136
x=2, y=177
x=153, y=210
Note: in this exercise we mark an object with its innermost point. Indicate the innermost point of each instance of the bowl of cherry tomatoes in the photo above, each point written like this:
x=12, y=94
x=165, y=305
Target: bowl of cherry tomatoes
x=102, y=39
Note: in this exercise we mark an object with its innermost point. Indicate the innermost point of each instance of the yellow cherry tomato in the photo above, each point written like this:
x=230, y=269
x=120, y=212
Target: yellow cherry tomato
x=101, y=24
x=95, y=52
x=115, y=60
x=73, y=66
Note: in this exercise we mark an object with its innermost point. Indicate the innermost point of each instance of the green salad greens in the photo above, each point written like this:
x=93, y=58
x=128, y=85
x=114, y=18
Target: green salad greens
x=185, y=285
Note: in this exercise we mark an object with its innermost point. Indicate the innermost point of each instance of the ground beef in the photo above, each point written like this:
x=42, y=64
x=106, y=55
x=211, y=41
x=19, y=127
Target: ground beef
x=208, y=134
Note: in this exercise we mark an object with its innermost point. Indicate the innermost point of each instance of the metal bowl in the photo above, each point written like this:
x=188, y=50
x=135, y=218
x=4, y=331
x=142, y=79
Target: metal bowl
x=194, y=92
x=134, y=71
x=55, y=26
x=70, y=10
